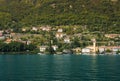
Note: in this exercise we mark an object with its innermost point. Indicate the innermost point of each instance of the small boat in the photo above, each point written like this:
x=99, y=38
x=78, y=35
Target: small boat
x=40, y=53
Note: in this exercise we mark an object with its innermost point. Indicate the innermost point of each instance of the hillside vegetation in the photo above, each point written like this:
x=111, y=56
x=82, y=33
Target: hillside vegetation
x=96, y=15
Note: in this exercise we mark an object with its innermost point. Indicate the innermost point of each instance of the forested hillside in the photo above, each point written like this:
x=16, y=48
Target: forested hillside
x=97, y=15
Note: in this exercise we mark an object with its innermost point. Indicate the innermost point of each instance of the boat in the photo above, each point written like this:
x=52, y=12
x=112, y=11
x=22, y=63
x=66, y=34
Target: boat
x=40, y=53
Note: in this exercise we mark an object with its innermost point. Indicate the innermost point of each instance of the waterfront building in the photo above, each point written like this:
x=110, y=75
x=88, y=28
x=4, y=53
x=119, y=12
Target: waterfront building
x=67, y=51
x=86, y=50
x=115, y=49
x=101, y=49
x=55, y=47
x=109, y=49
x=43, y=48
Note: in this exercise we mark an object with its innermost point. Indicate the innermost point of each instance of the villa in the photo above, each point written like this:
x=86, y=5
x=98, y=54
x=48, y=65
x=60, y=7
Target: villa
x=43, y=48
x=59, y=35
x=55, y=47
x=86, y=50
x=67, y=40
x=60, y=30
x=34, y=29
x=45, y=28
x=113, y=49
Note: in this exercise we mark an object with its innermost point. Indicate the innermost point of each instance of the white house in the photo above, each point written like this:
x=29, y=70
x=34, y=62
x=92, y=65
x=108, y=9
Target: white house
x=34, y=29
x=60, y=30
x=59, y=35
x=55, y=47
x=43, y=48
x=101, y=49
x=115, y=49
x=28, y=42
x=67, y=40
x=46, y=28
x=86, y=50
x=23, y=29
x=2, y=37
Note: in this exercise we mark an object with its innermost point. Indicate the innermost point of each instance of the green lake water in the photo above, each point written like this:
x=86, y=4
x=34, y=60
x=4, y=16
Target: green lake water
x=59, y=68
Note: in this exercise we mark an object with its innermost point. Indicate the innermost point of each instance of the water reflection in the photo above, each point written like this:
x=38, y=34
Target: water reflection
x=59, y=68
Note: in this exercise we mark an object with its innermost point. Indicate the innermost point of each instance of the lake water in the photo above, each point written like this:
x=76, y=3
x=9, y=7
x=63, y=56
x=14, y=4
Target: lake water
x=59, y=68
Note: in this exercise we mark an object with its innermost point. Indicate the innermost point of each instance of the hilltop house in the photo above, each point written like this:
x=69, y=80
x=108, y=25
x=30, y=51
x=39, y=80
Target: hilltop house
x=1, y=33
x=12, y=34
x=1, y=36
x=60, y=30
x=112, y=35
x=8, y=40
x=67, y=40
x=7, y=35
x=45, y=28
x=34, y=29
x=23, y=29
x=28, y=42
x=59, y=34
x=114, y=0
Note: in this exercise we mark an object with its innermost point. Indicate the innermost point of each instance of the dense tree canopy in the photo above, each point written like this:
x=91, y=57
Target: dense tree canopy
x=98, y=15
x=16, y=47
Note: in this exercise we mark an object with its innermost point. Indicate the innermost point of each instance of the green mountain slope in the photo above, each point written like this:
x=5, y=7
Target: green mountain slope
x=98, y=15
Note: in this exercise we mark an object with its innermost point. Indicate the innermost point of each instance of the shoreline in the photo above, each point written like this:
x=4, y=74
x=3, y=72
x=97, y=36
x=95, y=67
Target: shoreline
x=17, y=53
x=36, y=53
